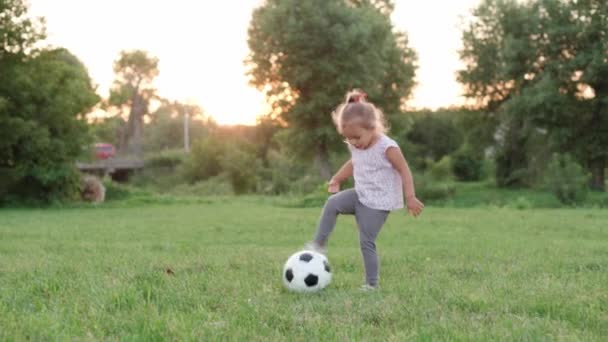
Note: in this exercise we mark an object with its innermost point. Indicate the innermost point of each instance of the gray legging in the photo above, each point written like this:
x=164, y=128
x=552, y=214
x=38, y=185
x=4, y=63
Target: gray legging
x=369, y=221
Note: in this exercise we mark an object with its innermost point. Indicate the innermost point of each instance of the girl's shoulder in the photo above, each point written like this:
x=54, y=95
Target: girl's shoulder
x=385, y=142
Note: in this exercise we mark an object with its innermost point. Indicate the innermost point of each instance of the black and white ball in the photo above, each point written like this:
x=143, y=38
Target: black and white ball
x=306, y=271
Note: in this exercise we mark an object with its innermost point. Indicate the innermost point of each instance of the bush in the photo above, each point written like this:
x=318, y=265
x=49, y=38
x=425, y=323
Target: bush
x=170, y=159
x=566, y=179
x=116, y=191
x=312, y=182
x=240, y=166
x=467, y=166
x=215, y=155
x=428, y=189
x=488, y=170
x=521, y=203
x=41, y=101
x=287, y=174
x=163, y=171
x=436, y=134
x=204, y=160
x=441, y=170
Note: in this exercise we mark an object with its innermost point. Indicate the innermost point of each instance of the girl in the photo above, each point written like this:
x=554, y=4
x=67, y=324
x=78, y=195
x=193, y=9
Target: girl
x=381, y=175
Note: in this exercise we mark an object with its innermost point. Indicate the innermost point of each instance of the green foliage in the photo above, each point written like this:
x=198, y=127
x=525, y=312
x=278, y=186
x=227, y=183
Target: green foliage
x=43, y=95
x=435, y=134
x=121, y=192
x=429, y=189
x=521, y=203
x=511, y=158
x=306, y=54
x=106, y=130
x=477, y=128
x=130, y=95
x=42, y=102
x=278, y=176
x=241, y=166
x=467, y=165
x=18, y=31
x=215, y=155
x=170, y=159
x=488, y=170
x=204, y=160
x=497, y=51
x=566, y=179
x=441, y=170
x=162, y=171
x=266, y=129
x=166, y=127
x=287, y=174
x=541, y=65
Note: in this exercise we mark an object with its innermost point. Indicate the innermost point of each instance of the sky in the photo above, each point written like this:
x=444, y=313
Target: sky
x=201, y=45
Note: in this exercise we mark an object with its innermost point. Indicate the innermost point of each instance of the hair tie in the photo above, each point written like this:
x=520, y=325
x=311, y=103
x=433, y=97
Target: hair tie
x=357, y=97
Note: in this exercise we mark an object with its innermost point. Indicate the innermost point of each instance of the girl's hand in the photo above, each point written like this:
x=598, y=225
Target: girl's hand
x=414, y=206
x=333, y=186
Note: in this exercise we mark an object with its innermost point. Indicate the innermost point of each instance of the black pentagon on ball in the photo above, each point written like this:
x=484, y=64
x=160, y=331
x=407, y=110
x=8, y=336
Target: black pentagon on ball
x=306, y=257
x=311, y=280
x=289, y=275
x=327, y=268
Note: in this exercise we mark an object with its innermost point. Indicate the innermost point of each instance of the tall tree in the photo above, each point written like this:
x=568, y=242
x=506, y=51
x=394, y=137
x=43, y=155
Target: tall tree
x=131, y=93
x=498, y=54
x=574, y=84
x=305, y=55
x=542, y=65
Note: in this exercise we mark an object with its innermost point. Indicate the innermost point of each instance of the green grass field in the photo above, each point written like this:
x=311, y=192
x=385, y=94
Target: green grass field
x=212, y=271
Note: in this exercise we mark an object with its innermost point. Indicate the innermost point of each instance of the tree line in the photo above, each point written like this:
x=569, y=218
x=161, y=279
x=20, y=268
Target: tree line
x=535, y=71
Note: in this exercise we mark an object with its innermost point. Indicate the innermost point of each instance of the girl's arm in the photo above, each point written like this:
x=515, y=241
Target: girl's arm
x=345, y=172
x=398, y=161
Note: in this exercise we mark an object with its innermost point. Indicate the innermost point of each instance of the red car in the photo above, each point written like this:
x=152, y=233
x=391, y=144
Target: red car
x=104, y=151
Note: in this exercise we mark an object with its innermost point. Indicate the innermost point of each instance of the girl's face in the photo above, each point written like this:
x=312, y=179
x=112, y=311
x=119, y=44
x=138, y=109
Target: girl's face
x=358, y=136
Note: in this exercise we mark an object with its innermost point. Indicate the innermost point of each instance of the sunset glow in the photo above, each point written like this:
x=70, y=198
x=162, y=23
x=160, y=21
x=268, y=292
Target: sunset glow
x=201, y=46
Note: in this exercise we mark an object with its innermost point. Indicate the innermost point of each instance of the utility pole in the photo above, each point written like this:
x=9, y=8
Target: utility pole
x=186, y=131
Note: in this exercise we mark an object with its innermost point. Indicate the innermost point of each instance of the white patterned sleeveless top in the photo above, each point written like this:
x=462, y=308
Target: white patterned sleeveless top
x=377, y=182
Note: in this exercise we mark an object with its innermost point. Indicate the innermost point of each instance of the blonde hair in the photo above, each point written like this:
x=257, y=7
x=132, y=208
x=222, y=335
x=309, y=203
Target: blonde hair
x=356, y=109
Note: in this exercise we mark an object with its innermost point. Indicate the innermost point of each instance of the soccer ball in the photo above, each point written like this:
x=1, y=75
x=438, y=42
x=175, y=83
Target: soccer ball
x=306, y=271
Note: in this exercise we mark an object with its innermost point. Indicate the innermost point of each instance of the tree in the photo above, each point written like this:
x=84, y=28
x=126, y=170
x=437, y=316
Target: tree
x=18, y=32
x=43, y=96
x=498, y=56
x=43, y=100
x=436, y=133
x=106, y=129
x=132, y=92
x=166, y=127
x=265, y=131
x=542, y=66
x=305, y=55
x=572, y=92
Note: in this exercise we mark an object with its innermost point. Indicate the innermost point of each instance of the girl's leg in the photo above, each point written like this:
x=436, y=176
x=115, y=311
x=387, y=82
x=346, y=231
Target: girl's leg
x=342, y=202
x=370, y=222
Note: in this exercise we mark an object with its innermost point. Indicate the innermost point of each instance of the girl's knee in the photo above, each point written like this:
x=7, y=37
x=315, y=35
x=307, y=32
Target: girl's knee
x=332, y=202
x=367, y=245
